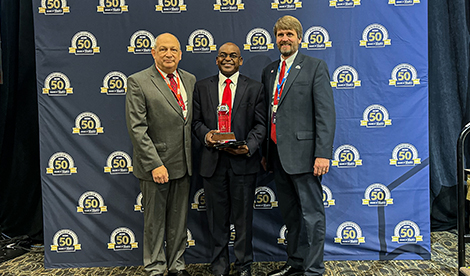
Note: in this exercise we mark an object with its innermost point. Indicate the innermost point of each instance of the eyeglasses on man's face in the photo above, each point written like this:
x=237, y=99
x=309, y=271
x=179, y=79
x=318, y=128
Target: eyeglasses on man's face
x=225, y=55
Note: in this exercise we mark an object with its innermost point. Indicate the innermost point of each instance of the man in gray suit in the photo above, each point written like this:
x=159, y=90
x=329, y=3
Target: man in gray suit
x=301, y=130
x=158, y=117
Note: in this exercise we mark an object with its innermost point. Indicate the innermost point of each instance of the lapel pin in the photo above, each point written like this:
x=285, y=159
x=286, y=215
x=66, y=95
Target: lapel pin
x=297, y=67
x=272, y=71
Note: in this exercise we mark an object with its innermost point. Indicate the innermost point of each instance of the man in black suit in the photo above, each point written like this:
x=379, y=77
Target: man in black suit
x=230, y=173
x=301, y=127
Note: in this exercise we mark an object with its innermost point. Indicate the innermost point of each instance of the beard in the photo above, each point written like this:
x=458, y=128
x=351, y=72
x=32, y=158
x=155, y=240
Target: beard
x=289, y=51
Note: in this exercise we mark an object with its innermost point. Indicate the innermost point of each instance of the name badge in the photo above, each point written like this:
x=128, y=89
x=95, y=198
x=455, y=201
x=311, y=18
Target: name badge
x=274, y=113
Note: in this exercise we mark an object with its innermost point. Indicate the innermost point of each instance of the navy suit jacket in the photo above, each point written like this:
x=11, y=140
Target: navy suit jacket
x=248, y=122
x=305, y=118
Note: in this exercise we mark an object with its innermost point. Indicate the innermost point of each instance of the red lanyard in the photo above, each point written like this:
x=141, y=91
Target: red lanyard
x=176, y=93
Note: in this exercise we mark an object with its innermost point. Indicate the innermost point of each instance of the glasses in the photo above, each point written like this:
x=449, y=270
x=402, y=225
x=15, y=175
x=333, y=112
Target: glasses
x=224, y=56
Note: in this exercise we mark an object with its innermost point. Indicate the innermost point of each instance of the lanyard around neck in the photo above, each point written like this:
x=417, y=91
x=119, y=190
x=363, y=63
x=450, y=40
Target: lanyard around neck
x=281, y=84
x=177, y=92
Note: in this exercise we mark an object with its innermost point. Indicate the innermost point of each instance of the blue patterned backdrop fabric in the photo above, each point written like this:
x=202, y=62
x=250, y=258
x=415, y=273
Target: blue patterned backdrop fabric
x=376, y=194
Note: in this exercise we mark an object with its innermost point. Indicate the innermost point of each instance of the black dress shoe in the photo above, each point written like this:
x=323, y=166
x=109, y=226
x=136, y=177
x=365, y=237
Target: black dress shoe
x=179, y=273
x=286, y=270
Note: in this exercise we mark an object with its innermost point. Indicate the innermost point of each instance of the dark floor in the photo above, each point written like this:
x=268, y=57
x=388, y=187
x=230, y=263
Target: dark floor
x=443, y=262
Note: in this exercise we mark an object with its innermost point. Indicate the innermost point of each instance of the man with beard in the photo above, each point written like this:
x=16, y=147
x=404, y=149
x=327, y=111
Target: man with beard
x=230, y=102
x=299, y=144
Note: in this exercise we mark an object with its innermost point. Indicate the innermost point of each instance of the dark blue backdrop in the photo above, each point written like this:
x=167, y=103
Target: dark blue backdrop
x=376, y=194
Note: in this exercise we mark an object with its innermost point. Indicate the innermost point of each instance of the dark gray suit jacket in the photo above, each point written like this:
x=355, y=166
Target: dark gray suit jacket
x=248, y=122
x=305, y=118
x=158, y=130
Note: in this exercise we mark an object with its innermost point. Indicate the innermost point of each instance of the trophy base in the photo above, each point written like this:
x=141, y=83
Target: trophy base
x=224, y=137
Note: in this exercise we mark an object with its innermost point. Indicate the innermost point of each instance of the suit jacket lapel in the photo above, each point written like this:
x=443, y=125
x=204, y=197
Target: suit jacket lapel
x=214, y=97
x=189, y=94
x=272, y=82
x=294, y=71
x=161, y=86
x=239, y=93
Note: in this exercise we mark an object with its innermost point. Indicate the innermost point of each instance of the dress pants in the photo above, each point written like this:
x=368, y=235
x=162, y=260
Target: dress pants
x=301, y=205
x=165, y=213
x=229, y=196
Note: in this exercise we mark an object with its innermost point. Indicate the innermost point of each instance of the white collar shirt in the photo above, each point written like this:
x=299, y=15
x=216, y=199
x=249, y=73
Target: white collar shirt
x=233, y=85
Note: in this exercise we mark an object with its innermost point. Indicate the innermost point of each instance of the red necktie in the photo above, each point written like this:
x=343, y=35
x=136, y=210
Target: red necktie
x=174, y=89
x=276, y=101
x=227, y=99
x=174, y=86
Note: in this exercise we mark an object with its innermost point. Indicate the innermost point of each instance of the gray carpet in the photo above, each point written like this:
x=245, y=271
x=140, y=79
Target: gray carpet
x=443, y=262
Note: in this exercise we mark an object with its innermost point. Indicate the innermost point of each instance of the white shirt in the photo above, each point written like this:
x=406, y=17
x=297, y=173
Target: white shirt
x=233, y=85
